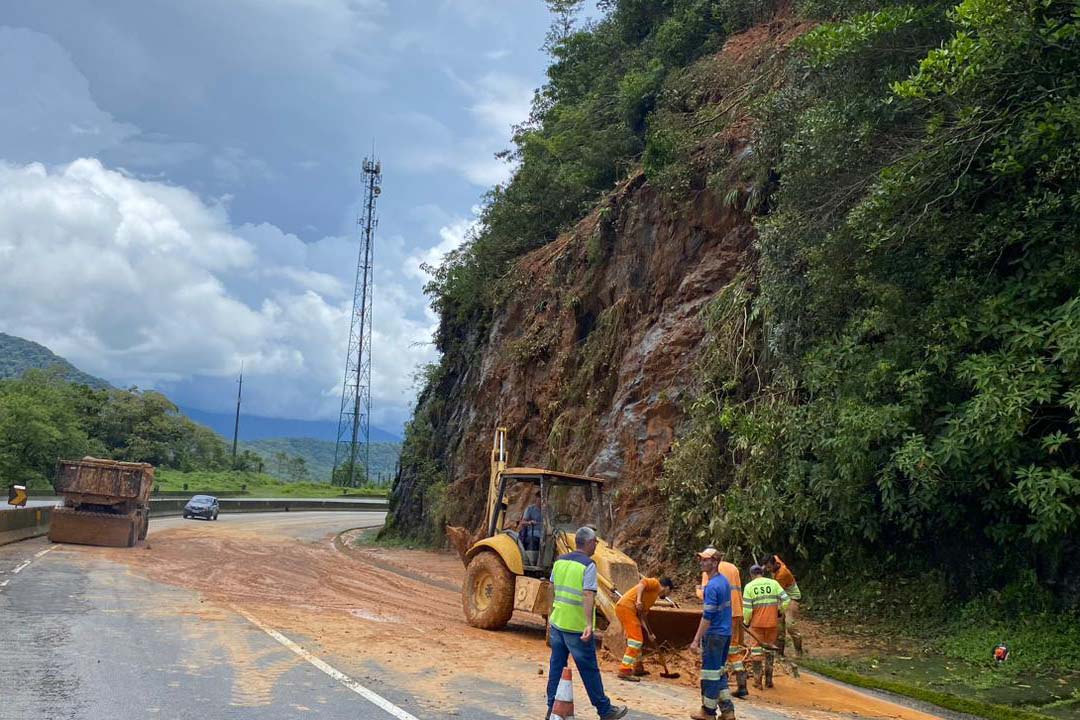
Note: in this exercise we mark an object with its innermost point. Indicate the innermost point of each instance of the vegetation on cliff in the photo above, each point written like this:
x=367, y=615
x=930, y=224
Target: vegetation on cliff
x=913, y=394
x=896, y=383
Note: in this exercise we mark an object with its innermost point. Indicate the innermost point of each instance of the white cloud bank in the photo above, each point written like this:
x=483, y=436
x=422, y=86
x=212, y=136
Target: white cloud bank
x=142, y=282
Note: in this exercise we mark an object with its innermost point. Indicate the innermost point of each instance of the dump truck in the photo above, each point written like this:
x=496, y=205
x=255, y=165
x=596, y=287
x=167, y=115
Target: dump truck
x=106, y=502
x=502, y=575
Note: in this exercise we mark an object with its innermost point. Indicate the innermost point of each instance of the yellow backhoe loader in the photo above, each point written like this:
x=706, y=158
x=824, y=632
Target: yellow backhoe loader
x=503, y=574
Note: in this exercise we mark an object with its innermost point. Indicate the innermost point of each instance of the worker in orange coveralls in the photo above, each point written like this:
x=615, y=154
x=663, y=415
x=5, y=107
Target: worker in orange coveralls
x=631, y=610
x=764, y=603
x=782, y=575
x=739, y=651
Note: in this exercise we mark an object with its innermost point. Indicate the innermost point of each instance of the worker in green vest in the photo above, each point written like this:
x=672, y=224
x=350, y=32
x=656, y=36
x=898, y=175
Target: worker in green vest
x=573, y=615
x=764, y=603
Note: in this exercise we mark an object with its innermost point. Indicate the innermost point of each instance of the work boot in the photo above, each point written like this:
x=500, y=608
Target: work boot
x=768, y=671
x=640, y=671
x=615, y=713
x=628, y=677
x=780, y=644
x=727, y=711
x=702, y=714
x=758, y=678
x=796, y=640
x=740, y=679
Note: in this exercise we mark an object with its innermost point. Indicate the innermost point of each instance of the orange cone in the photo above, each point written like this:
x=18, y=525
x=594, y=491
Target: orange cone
x=563, y=709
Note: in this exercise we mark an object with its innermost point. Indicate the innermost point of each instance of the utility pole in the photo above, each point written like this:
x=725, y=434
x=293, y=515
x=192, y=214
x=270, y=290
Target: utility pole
x=236, y=425
x=354, y=423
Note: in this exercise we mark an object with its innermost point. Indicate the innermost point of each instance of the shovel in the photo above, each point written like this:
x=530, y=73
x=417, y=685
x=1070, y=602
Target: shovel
x=660, y=654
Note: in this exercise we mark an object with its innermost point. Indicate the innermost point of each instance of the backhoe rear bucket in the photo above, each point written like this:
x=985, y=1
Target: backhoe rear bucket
x=92, y=528
x=673, y=627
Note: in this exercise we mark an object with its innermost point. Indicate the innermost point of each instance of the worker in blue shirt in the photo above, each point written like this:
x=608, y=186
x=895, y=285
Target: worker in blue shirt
x=713, y=639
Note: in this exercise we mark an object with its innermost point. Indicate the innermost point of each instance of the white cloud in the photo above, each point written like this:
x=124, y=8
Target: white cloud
x=496, y=101
x=451, y=237
x=500, y=101
x=144, y=283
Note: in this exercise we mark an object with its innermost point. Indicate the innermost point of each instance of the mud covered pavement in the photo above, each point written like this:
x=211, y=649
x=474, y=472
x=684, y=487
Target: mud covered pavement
x=276, y=616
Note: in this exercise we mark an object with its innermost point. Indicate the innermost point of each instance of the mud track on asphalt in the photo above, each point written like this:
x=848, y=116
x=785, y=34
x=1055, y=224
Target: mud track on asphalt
x=396, y=614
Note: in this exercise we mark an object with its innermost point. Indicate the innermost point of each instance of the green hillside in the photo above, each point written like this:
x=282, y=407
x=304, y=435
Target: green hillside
x=18, y=355
x=319, y=457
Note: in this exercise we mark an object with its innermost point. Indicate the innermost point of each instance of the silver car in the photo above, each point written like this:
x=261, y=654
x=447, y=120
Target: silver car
x=204, y=506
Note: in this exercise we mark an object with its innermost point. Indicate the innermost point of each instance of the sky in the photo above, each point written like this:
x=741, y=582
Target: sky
x=180, y=183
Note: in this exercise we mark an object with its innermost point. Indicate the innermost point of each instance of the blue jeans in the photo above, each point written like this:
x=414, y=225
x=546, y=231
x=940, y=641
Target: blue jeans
x=714, y=682
x=564, y=644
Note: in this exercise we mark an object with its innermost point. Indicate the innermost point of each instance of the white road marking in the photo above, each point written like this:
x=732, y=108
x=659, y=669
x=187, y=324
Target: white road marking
x=24, y=564
x=369, y=695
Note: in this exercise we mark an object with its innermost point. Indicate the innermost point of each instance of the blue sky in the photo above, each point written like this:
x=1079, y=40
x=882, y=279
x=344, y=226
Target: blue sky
x=179, y=182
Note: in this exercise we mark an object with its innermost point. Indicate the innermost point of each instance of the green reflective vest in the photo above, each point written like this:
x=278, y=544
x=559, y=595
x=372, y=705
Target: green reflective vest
x=760, y=596
x=568, y=577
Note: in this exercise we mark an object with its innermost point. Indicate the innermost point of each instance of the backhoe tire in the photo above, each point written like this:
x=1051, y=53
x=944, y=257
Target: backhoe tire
x=487, y=595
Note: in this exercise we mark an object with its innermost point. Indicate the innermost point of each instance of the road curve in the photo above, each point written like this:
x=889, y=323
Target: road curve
x=260, y=616
x=84, y=637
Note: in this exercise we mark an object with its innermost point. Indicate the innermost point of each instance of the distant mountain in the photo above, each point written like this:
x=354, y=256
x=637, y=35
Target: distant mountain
x=253, y=427
x=18, y=355
x=319, y=456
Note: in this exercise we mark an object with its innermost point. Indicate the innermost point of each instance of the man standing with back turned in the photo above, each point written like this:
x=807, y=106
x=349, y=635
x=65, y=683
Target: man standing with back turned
x=573, y=614
x=713, y=639
x=782, y=575
x=764, y=602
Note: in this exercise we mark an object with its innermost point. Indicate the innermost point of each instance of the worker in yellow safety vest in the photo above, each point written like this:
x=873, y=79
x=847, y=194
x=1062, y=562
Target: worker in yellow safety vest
x=573, y=614
x=632, y=609
x=782, y=575
x=764, y=601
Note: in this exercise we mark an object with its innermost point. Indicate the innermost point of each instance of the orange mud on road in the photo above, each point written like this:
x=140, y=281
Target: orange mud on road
x=397, y=613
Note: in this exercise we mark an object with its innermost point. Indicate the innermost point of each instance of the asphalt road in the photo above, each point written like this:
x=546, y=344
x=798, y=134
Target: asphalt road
x=83, y=636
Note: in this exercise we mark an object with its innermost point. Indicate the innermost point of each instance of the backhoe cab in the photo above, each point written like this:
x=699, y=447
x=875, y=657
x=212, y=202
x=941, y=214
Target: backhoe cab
x=505, y=572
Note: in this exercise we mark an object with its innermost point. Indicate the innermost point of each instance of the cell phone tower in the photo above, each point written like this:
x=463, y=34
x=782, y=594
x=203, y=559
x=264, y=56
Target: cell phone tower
x=354, y=426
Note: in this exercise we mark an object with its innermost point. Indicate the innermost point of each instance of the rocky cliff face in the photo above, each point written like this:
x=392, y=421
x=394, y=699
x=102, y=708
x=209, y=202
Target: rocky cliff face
x=589, y=360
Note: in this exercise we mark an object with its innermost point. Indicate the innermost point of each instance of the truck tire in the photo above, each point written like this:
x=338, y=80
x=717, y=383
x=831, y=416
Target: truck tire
x=144, y=527
x=133, y=533
x=487, y=595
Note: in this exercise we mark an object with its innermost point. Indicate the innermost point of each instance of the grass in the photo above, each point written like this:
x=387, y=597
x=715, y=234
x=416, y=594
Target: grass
x=251, y=485
x=934, y=697
x=378, y=537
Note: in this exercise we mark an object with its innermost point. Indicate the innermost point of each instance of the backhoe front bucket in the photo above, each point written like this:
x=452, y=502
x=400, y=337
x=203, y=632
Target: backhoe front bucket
x=673, y=627
x=92, y=528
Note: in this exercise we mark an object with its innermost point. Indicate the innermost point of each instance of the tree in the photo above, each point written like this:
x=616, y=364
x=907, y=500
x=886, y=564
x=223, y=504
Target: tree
x=297, y=468
x=38, y=426
x=343, y=472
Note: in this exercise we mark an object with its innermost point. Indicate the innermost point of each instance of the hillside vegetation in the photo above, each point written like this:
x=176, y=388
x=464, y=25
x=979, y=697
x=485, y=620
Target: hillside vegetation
x=894, y=382
x=246, y=483
x=318, y=457
x=17, y=355
x=43, y=417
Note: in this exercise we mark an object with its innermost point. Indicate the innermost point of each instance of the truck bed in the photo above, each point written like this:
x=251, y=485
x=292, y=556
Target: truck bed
x=105, y=479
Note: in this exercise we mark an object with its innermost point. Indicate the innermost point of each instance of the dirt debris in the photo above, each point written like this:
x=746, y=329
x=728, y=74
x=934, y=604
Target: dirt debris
x=393, y=614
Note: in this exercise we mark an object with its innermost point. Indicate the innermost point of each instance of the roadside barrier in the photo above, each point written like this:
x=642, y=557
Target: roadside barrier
x=24, y=523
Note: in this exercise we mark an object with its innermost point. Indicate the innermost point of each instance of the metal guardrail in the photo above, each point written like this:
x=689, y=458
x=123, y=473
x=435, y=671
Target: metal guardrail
x=22, y=523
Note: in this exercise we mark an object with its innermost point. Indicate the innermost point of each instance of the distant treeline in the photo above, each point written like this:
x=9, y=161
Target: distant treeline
x=43, y=417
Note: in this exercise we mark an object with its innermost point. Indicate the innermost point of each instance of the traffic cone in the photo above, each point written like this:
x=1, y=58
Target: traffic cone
x=563, y=709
